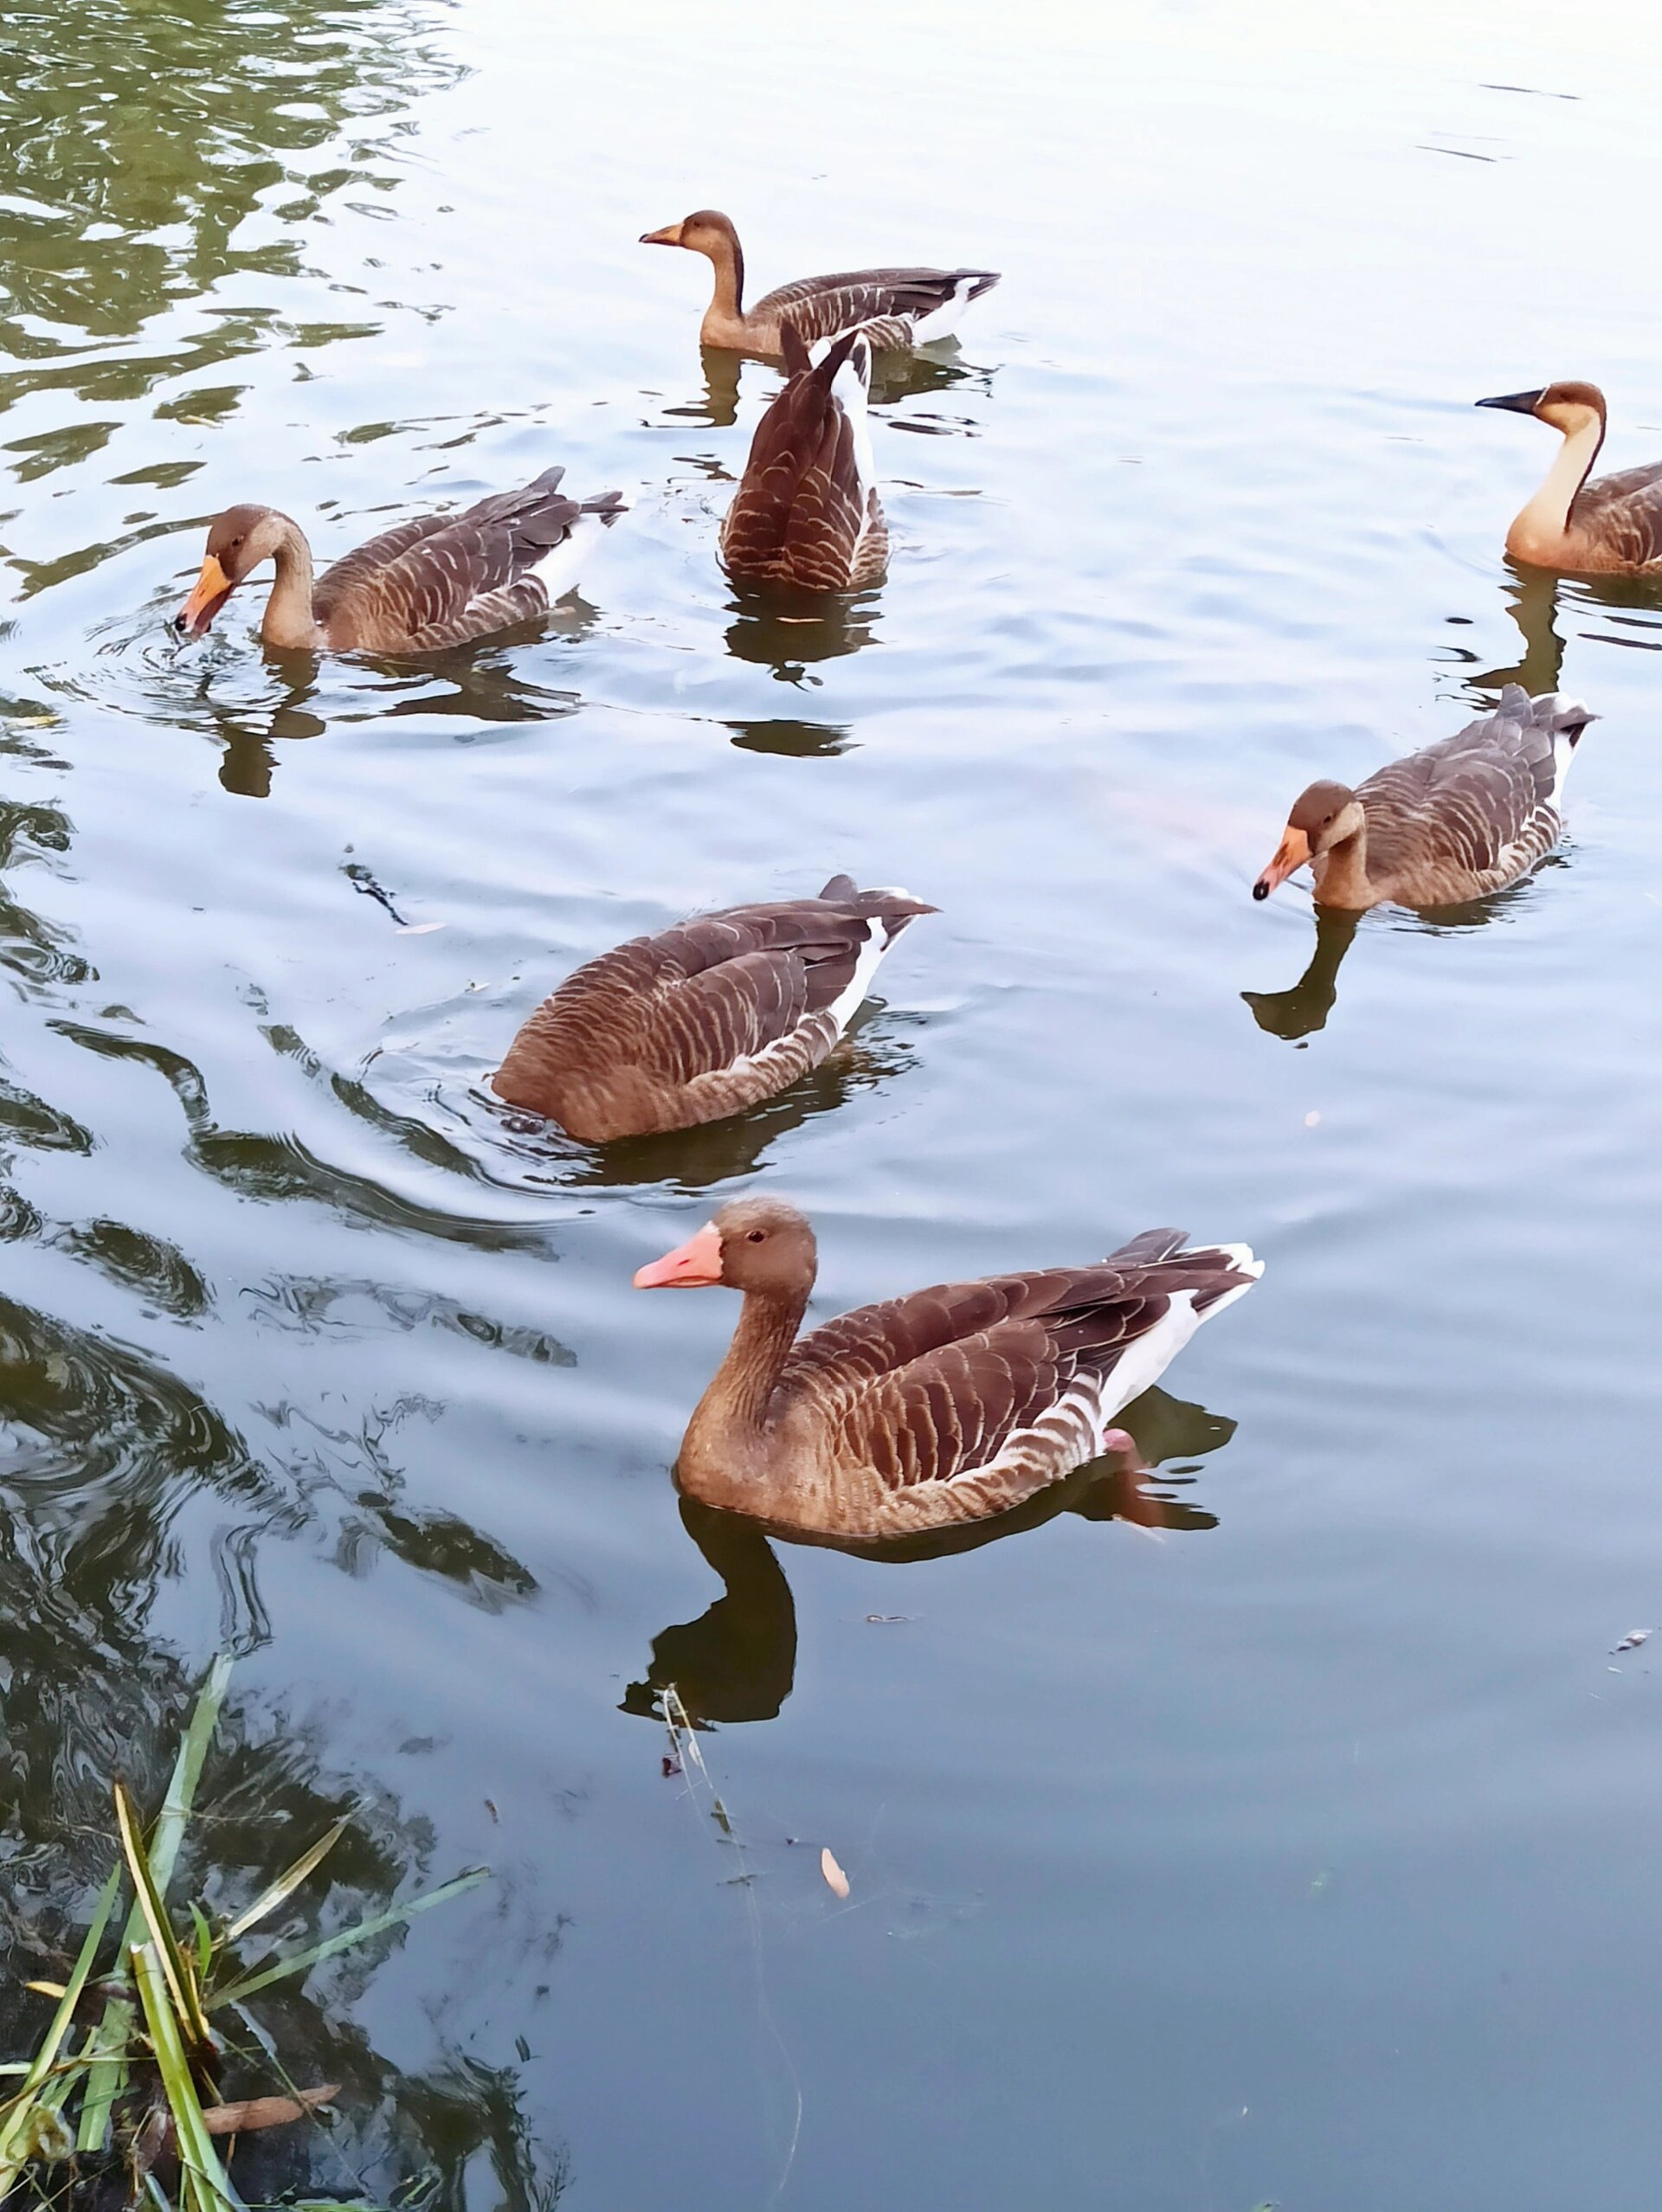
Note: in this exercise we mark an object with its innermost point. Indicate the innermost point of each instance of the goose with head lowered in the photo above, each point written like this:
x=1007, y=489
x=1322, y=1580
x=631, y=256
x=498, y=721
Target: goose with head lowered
x=1610, y=527
x=1454, y=822
x=806, y=511
x=668, y=1032
x=440, y=581
x=900, y=308
x=950, y=1405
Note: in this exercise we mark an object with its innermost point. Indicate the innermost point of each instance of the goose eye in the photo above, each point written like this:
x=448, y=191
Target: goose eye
x=755, y=1236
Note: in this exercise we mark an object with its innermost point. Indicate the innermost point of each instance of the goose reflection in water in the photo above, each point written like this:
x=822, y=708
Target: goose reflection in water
x=737, y=1660
x=789, y=630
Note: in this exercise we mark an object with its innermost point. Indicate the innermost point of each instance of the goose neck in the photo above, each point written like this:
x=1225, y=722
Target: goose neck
x=289, y=623
x=1543, y=524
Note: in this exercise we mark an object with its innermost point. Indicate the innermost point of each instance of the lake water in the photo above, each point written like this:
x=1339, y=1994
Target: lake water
x=1300, y=1850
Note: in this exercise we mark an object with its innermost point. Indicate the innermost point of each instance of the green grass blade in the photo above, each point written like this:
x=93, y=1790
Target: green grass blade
x=181, y=1982
x=268, y=1900
x=359, y=1934
x=204, y=2184
x=14, y=2129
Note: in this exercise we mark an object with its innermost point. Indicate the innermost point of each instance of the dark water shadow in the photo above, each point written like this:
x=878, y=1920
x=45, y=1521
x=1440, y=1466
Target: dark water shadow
x=789, y=631
x=1543, y=603
x=1302, y=1010
x=737, y=1660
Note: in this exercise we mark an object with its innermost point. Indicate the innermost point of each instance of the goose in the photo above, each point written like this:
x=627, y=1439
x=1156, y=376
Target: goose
x=439, y=580
x=949, y=1405
x=899, y=308
x=1454, y=822
x=807, y=511
x=1611, y=528
x=667, y=1032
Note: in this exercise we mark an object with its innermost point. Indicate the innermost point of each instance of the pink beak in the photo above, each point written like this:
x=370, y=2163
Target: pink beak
x=695, y=1263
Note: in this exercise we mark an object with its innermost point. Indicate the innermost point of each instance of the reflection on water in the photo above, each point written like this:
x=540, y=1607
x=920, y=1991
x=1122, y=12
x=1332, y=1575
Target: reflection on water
x=737, y=1661
x=1302, y=1008
x=786, y=630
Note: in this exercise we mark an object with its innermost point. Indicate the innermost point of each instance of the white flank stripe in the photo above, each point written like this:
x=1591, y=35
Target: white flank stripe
x=558, y=569
x=941, y=321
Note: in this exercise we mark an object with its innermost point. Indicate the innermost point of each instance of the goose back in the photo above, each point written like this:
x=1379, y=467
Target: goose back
x=701, y=1021
x=897, y=307
x=807, y=511
x=1473, y=812
x=1619, y=518
x=442, y=580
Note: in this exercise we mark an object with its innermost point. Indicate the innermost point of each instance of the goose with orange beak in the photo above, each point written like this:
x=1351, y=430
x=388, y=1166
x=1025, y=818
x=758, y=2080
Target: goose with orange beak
x=949, y=1405
x=1439, y=828
x=439, y=580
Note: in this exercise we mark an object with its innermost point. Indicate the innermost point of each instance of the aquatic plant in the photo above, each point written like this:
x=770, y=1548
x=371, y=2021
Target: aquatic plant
x=119, y=2101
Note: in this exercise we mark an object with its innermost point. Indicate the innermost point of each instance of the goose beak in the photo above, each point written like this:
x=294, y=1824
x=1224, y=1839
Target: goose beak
x=209, y=593
x=669, y=236
x=1517, y=402
x=689, y=1266
x=1291, y=853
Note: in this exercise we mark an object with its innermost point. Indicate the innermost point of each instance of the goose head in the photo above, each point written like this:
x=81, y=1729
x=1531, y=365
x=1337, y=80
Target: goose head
x=706, y=231
x=1323, y=816
x=237, y=542
x=753, y=1244
x=1568, y=406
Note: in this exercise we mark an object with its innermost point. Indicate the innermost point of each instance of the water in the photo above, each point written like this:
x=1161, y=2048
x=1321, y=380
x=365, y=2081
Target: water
x=1304, y=1855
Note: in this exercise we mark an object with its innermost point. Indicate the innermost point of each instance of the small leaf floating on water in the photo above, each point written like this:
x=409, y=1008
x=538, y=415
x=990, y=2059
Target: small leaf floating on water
x=490, y=1807
x=836, y=1880
x=882, y=1620
x=1634, y=1638
x=670, y=1766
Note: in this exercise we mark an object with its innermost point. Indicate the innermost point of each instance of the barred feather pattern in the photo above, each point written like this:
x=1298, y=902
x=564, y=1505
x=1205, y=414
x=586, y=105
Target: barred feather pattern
x=1615, y=523
x=962, y=1400
x=889, y=304
x=700, y=1020
x=1473, y=814
x=444, y=579
x=801, y=515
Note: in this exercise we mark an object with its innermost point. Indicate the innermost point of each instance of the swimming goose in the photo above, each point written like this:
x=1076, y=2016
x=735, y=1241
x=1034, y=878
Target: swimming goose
x=946, y=1406
x=439, y=580
x=1613, y=527
x=899, y=307
x=1454, y=822
x=807, y=511
x=703, y=1019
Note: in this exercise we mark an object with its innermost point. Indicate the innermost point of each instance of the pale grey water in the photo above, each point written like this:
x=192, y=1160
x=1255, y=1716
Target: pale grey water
x=1306, y=1856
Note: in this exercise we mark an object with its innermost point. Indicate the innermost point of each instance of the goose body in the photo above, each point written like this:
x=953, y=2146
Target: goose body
x=952, y=1404
x=704, y=1019
x=899, y=308
x=439, y=580
x=807, y=511
x=1461, y=819
x=1611, y=526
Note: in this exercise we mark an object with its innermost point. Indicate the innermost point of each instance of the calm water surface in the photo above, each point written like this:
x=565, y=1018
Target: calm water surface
x=1305, y=1854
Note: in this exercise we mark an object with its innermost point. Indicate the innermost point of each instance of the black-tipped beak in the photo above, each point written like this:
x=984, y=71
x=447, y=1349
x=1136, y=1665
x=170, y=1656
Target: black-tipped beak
x=1517, y=402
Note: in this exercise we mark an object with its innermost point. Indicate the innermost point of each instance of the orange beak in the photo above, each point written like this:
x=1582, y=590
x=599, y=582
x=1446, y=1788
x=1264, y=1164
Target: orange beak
x=688, y=1267
x=209, y=593
x=669, y=236
x=1291, y=853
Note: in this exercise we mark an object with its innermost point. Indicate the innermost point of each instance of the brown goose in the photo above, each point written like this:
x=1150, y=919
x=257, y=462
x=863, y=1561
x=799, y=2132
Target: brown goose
x=1613, y=527
x=438, y=580
x=807, y=511
x=703, y=1019
x=948, y=1405
x=899, y=308
x=1462, y=818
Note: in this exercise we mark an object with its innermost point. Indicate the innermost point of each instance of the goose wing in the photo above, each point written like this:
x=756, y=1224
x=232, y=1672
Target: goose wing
x=1623, y=513
x=805, y=510
x=450, y=577
x=701, y=998
x=1469, y=801
x=894, y=300
x=1006, y=1384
